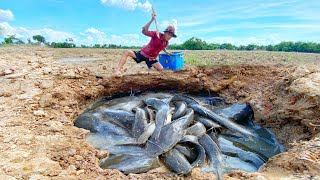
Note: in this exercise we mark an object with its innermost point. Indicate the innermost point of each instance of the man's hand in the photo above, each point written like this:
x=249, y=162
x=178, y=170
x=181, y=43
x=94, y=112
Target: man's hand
x=168, y=53
x=153, y=16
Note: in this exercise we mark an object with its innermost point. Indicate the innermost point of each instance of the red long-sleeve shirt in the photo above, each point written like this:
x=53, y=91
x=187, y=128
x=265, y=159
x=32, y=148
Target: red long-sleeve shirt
x=153, y=48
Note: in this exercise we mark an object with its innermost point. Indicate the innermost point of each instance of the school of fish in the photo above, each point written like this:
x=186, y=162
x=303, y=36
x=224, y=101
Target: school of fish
x=176, y=131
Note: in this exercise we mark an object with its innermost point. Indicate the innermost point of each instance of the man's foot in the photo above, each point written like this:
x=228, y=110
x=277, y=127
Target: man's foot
x=117, y=73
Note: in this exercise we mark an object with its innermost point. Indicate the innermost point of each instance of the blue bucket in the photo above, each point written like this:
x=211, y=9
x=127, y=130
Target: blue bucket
x=174, y=62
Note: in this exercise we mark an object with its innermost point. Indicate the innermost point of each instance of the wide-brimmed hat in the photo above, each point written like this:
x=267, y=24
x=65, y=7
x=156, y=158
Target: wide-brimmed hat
x=171, y=29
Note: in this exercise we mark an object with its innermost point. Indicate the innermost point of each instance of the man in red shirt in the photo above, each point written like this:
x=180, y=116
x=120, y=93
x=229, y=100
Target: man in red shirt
x=150, y=52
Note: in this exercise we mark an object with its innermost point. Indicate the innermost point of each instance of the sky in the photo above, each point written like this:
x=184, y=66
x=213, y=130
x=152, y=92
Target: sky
x=89, y=22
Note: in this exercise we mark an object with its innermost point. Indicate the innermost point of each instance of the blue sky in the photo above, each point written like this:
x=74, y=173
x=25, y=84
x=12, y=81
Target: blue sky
x=89, y=22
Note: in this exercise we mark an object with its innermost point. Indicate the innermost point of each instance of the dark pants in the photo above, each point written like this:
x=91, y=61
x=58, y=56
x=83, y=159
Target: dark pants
x=139, y=58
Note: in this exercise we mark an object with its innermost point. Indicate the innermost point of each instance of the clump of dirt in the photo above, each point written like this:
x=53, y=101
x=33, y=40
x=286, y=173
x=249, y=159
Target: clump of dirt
x=41, y=97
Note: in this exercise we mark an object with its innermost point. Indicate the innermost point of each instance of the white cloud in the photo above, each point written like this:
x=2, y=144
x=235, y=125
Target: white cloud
x=95, y=31
x=127, y=39
x=52, y=35
x=147, y=6
x=128, y=4
x=6, y=15
x=23, y=33
x=251, y=11
x=88, y=37
x=95, y=36
x=164, y=24
x=6, y=29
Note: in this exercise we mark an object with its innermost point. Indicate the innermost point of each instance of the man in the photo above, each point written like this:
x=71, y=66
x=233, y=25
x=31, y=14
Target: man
x=150, y=52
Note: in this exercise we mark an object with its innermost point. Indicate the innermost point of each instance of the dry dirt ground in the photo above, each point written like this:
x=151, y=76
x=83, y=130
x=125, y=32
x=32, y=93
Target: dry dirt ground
x=40, y=97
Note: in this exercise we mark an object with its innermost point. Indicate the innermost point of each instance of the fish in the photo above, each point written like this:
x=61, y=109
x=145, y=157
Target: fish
x=161, y=114
x=197, y=129
x=125, y=149
x=128, y=106
x=147, y=133
x=192, y=141
x=162, y=96
x=169, y=135
x=104, y=140
x=187, y=150
x=178, y=130
x=106, y=102
x=263, y=148
x=177, y=162
x=95, y=124
x=187, y=99
x=202, y=111
x=130, y=163
x=235, y=163
x=227, y=146
x=241, y=113
x=213, y=101
x=181, y=108
x=208, y=123
x=122, y=118
x=89, y=121
x=215, y=161
x=140, y=122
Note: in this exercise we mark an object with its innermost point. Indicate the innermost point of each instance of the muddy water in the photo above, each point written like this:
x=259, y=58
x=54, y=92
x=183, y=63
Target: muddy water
x=238, y=153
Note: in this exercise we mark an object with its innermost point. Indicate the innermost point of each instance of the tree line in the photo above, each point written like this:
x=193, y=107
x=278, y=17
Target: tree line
x=287, y=46
x=191, y=44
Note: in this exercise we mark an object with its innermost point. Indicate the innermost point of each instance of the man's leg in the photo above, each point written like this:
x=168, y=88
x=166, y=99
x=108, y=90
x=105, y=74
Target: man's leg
x=157, y=66
x=123, y=59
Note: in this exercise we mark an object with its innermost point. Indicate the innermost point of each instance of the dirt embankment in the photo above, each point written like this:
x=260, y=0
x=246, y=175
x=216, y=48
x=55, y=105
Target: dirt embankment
x=40, y=97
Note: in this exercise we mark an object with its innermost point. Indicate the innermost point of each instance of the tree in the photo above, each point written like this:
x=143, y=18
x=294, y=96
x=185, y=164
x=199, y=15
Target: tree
x=97, y=46
x=227, y=46
x=213, y=46
x=9, y=40
x=39, y=38
x=194, y=44
x=62, y=45
x=13, y=40
x=251, y=47
x=175, y=47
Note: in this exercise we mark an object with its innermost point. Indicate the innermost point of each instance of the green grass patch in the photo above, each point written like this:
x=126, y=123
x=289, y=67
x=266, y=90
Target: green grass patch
x=196, y=61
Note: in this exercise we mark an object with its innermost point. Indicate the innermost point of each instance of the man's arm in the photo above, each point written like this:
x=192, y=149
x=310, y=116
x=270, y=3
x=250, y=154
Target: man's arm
x=168, y=53
x=145, y=29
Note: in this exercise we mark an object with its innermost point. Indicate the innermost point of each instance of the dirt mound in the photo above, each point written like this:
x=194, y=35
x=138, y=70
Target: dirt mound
x=40, y=97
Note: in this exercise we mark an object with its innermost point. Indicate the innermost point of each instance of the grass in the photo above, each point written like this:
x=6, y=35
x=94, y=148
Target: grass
x=195, y=61
x=230, y=58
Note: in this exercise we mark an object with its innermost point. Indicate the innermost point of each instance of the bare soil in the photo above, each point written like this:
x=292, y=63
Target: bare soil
x=40, y=97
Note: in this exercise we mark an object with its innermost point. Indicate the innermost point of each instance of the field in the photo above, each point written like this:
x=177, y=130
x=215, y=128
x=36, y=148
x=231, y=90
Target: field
x=42, y=93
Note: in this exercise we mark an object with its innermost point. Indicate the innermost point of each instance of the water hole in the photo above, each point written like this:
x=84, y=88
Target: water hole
x=177, y=131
